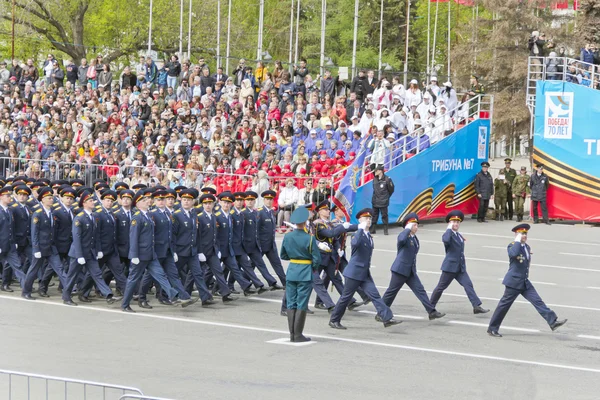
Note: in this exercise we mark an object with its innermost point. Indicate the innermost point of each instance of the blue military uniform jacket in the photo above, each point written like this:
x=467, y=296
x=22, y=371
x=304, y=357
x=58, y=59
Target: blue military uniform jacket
x=358, y=267
x=22, y=224
x=123, y=224
x=237, y=234
x=207, y=234
x=141, y=237
x=225, y=233
x=33, y=204
x=163, y=232
x=85, y=241
x=266, y=224
x=250, y=236
x=185, y=230
x=43, y=231
x=406, y=259
x=326, y=233
x=454, y=244
x=518, y=272
x=7, y=238
x=299, y=245
x=106, y=228
x=64, y=228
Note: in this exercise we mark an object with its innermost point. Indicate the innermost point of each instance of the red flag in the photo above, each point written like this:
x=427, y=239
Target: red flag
x=575, y=5
x=469, y=3
x=560, y=5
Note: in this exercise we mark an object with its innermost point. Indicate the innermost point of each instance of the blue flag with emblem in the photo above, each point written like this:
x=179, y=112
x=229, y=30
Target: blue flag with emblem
x=346, y=193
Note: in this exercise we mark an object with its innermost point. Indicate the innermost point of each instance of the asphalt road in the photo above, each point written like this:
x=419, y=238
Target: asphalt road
x=239, y=350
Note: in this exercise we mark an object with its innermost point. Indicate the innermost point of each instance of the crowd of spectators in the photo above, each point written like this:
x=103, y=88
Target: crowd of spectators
x=182, y=123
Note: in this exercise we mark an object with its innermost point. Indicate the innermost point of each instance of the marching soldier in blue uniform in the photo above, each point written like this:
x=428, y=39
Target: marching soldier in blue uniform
x=454, y=265
x=142, y=254
x=84, y=252
x=123, y=218
x=33, y=203
x=224, y=226
x=300, y=248
x=170, y=201
x=404, y=268
x=251, y=243
x=164, y=247
x=43, y=236
x=8, y=247
x=63, y=215
x=358, y=275
x=208, y=246
x=108, y=254
x=266, y=226
x=185, y=229
x=22, y=225
x=237, y=241
x=516, y=282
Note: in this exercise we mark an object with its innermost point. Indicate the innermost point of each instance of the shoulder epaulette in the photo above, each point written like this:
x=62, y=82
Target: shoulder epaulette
x=177, y=211
x=137, y=213
x=80, y=214
x=218, y=213
x=154, y=210
x=16, y=204
x=259, y=209
x=244, y=209
x=39, y=211
x=232, y=212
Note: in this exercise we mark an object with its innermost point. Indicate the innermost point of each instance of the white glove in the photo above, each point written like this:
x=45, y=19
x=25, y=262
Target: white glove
x=409, y=225
x=201, y=257
x=0, y=251
x=175, y=258
x=362, y=226
x=346, y=225
x=341, y=253
x=518, y=238
x=219, y=254
x=323, y=246
x=16, y=247
x=290, y=225
x=248, y=258
x=135, y=261
x=37, y=255
x=449, y=226
x=81, y=260
x=100, y=255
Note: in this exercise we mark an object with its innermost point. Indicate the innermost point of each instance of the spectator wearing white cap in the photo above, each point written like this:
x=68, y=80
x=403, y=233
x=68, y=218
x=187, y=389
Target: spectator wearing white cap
x=398, y=89
x=433, y=86
x=448, y=95
x=379, y=147
x=423, y=108
x=413, y=93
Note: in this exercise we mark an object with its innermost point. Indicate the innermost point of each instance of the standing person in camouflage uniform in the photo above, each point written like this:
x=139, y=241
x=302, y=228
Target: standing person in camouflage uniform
x=500, y=191
x=510, y=175
x=520, y=190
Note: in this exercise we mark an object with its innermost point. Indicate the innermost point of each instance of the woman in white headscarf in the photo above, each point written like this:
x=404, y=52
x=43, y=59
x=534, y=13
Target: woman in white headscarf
x=382, y=96
x=383, y=118
x=413, y=94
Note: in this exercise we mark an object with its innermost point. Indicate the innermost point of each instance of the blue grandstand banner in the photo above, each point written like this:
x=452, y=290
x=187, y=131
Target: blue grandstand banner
x=439, y=179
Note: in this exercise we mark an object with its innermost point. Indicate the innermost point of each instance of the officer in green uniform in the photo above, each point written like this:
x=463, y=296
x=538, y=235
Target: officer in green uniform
x=510, y=174
x=300, y=248
x=520, y=190
x=500, y=190
x=476, y=87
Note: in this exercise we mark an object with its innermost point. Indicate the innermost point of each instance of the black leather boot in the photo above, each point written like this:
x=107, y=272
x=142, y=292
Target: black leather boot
x=291, y=314
x=299, y=320
x=385, y=229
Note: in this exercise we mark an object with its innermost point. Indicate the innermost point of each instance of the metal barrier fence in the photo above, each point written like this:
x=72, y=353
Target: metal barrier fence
x=20, y=385
x=84, y=171
x=141, y=397
x=14, y=166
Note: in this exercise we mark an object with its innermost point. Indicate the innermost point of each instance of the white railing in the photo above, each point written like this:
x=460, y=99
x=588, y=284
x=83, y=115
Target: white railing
x=480, y=106
x=141, y=397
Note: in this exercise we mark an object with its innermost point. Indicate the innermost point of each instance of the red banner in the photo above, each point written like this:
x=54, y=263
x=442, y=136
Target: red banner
x=564, y=204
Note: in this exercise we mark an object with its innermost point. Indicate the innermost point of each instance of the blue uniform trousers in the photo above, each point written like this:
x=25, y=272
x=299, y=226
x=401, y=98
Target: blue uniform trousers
x=48, y=272
x=230, y=264
x=326, y=281
x=11, y=262
x=317, y=285
x=463, y=279
x=136, y=272
x=371, y=291
x=298, y=294
x=414, y=283
x=168, y=265
x=510, y=295
x=248, y=271
x=275, y=261
x=93, y=269
x=113, y=264
x=193, y=274
x=212, y=267
x=257, y=261
x=32, y=274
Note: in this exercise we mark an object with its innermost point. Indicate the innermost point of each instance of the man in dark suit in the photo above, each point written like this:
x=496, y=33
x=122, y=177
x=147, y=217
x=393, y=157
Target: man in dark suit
x=84, y=252
x=354, y=110
x=225, y=238
x=517, y=283
x=43, y=234
x=266, y=225
x=404, y=268
x=185, y=229
x=208, y=246
x=358, y=275
x=454, y=265
x=220, y=76
x=8, y=248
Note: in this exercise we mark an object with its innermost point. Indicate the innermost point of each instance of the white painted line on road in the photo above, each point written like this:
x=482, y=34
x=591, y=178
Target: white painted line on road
x=510, y=328
x=529, y=239
x=580, y=255
x=593, y=287
x=405, y=289
x=395, y=315
x=589, y=337
x=495, y=247
x=286, y=341
x=430, y=272
x=327, y=337
x=537, y=282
